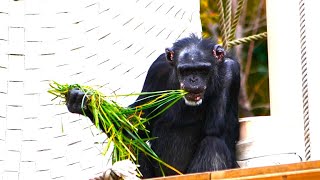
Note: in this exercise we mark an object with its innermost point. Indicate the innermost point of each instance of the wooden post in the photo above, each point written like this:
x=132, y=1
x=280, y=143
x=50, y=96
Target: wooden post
x=285, y=76
x=312, y=13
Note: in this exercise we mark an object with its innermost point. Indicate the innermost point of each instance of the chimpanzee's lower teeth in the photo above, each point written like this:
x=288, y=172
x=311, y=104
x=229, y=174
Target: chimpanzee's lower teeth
x=193, y=102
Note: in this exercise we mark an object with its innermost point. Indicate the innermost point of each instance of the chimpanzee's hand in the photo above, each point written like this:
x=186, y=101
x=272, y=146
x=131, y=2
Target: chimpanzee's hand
x=77, y=101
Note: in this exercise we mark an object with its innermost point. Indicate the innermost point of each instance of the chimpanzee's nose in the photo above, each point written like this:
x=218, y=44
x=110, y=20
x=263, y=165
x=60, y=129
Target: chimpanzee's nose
x=194, y=79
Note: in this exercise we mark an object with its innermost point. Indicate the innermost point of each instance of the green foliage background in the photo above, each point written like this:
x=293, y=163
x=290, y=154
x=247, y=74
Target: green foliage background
x=253, y=57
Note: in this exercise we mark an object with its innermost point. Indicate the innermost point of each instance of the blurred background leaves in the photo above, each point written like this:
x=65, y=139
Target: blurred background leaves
x=253, y=56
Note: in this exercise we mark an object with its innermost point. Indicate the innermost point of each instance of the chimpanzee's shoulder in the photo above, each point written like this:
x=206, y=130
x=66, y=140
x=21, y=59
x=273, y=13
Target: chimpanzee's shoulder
x=160, y=67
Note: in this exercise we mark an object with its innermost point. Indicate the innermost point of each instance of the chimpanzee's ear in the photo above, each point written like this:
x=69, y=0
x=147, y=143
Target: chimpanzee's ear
x=218, y=52
x=169, y=55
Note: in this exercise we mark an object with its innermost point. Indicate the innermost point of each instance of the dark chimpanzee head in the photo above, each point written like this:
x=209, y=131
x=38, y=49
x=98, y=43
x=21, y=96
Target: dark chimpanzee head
x=195, y=62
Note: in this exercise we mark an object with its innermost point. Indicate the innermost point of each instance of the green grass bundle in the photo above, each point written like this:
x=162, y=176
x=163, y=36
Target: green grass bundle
x=123, y=123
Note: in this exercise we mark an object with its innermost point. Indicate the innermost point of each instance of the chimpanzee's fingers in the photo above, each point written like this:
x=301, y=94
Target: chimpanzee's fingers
x=80, y=101
x=74, y=101
x=70, y=97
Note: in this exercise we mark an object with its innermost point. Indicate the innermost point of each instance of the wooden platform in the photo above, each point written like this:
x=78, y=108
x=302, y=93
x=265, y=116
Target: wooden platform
x=304, y=171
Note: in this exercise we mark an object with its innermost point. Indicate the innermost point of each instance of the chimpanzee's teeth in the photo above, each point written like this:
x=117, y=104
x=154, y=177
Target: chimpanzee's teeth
x=192, y=103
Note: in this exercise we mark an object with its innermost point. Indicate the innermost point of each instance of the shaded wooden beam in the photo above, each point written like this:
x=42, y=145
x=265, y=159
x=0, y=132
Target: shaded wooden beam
x=303, y=170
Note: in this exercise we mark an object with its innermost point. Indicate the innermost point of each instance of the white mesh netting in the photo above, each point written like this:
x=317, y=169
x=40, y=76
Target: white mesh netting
x=92, y=42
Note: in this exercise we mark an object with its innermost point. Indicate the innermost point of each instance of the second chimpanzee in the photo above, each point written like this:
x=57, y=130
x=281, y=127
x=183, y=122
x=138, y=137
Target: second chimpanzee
x=198, y=133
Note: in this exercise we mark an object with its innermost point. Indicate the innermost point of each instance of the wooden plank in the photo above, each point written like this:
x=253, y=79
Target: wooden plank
x=197, y=176
x=303, y=170
x=267, y=170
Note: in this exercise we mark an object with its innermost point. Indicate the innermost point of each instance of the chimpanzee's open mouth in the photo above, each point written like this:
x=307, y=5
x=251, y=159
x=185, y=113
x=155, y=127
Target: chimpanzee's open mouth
x=193, y=99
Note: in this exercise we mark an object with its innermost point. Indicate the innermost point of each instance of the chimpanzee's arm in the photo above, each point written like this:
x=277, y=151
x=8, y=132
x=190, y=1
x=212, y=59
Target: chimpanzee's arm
x=232, y=127
x=222, y=125
x=156, y=80
x=223, y=114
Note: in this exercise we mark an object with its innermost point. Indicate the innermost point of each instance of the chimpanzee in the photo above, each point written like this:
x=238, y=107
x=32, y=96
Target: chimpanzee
x=199, y=132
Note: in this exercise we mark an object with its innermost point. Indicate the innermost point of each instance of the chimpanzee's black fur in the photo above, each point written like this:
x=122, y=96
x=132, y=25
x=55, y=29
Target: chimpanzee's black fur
x=200, y=132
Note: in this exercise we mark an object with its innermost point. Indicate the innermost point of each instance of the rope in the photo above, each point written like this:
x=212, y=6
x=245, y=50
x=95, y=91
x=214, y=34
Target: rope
x=235, y=20
x=247, y=39
x=228, y=29
x=222, y=24
x=304, y=81
x=228, y=19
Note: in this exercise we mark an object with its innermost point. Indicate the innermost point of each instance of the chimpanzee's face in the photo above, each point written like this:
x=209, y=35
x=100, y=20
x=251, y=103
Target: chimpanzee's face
x=194, y=70
x=193, y=74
